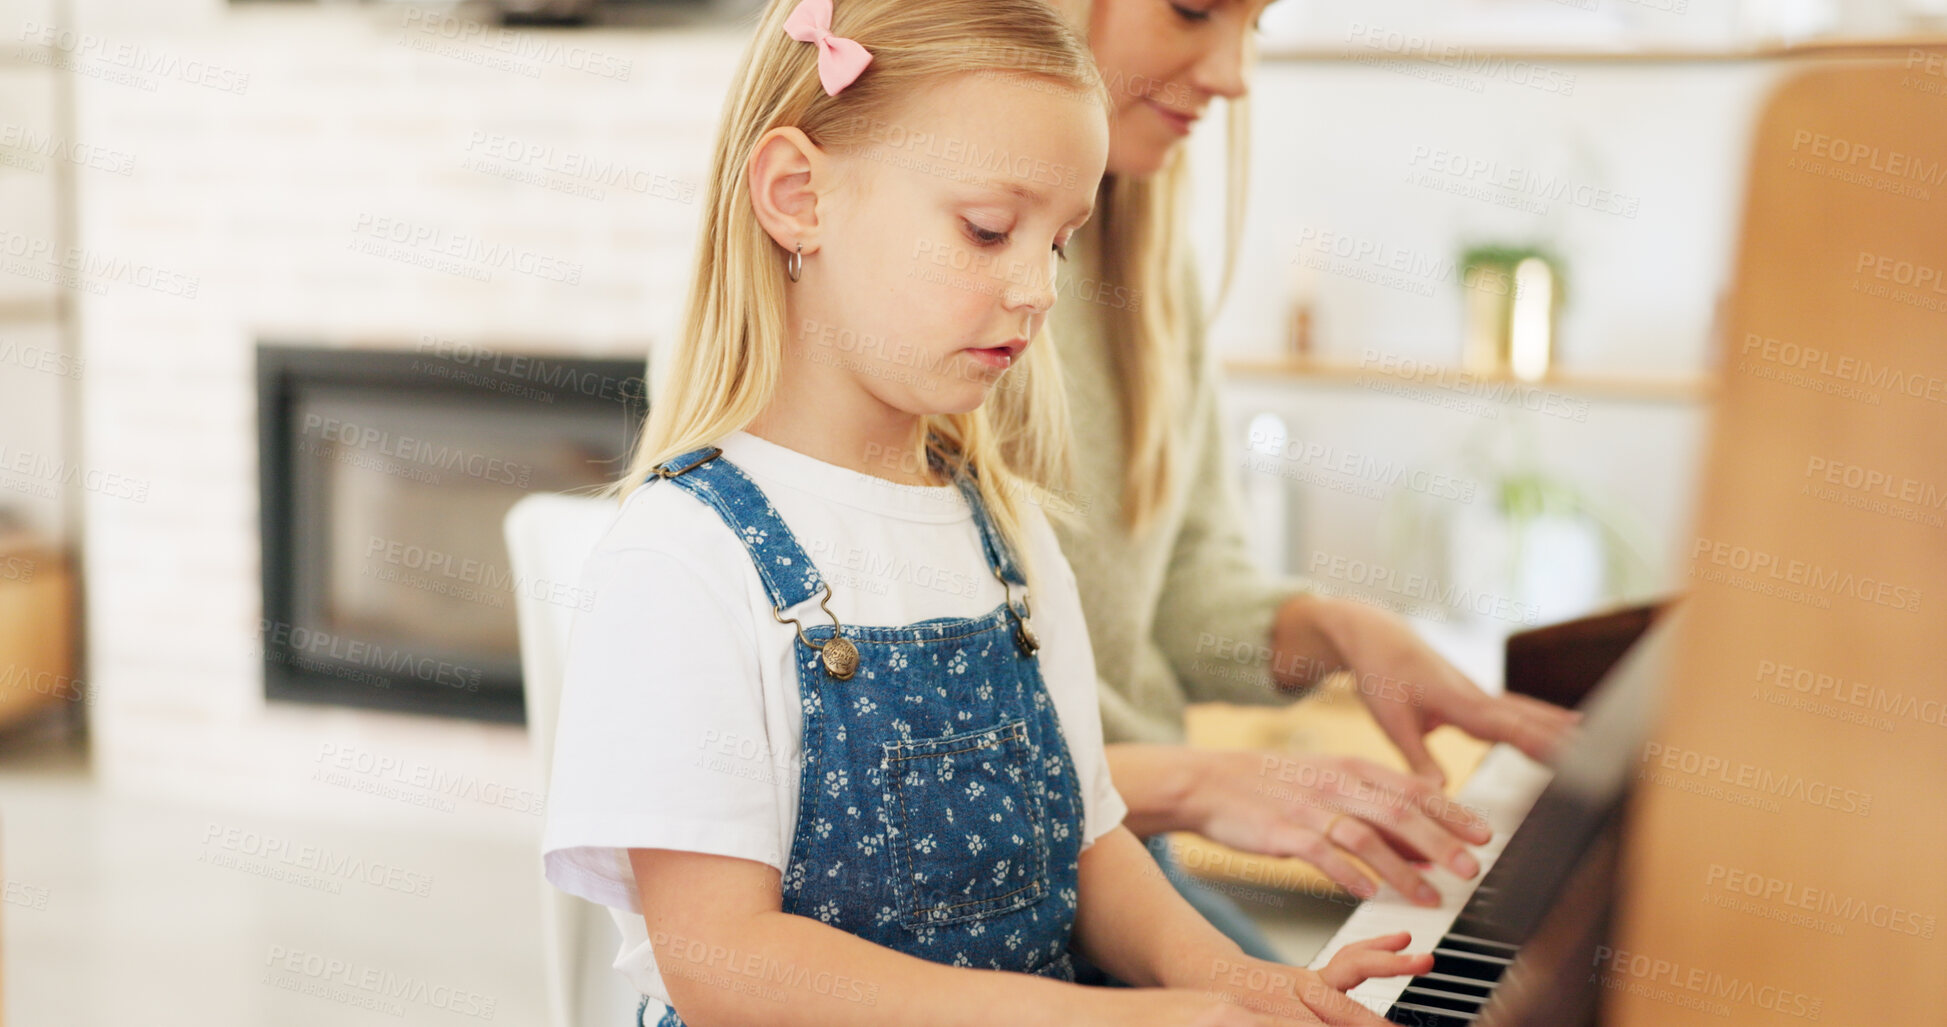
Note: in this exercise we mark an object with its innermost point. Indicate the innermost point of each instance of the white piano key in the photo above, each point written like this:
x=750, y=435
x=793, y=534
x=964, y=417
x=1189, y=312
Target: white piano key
x=1503, y=789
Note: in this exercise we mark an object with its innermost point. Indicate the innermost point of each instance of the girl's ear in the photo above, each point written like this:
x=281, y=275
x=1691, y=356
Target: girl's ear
x=786, y=174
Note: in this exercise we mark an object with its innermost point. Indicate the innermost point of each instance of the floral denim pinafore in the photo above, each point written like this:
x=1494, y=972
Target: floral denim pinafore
x=939, y=811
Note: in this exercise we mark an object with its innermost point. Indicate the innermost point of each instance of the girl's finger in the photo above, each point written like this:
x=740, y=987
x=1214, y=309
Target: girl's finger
x=1374, y=957
x=1384, y=942
x=1332, y=1006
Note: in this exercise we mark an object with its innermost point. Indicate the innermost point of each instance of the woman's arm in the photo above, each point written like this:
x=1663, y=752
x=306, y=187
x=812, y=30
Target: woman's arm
x=1409, y=688
x=1218, y=604
x=1234, y=633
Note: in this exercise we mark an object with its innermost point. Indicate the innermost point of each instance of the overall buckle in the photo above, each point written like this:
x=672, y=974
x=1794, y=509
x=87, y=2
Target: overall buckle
x=840, y=656
x=692, y=465
x=1023, y=634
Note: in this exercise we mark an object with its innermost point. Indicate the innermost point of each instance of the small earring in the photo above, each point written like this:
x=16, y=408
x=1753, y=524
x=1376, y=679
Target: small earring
x=794, y=265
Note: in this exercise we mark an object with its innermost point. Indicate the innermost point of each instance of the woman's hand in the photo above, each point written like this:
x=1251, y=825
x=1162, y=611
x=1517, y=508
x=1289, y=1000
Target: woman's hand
x=1409, y=688
x=1319, y=808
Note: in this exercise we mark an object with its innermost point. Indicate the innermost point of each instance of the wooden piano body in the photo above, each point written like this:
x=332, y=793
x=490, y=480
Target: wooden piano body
x=1800, y=879
x=1777, y=855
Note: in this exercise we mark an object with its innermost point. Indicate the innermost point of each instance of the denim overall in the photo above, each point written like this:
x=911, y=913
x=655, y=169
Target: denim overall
x=939, y=812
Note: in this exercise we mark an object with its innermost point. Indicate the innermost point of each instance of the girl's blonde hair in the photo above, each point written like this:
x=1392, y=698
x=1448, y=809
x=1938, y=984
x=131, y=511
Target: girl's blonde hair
x=1138, y=231
x=725, y=366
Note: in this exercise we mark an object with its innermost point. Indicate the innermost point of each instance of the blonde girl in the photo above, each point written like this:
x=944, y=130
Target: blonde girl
x=829, y=745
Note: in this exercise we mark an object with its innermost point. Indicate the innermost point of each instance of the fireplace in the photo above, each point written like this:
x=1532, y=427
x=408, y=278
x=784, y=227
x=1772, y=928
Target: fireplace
x=385, y=475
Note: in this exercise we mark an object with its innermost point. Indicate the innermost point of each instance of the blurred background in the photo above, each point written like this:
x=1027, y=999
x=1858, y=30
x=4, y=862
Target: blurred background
x=298, y=298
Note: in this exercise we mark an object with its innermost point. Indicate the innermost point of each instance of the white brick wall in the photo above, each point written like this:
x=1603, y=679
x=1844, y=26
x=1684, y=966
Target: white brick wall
x=253, y=198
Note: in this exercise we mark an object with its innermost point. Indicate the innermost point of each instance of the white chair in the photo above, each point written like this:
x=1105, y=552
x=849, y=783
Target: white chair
x=549, y=537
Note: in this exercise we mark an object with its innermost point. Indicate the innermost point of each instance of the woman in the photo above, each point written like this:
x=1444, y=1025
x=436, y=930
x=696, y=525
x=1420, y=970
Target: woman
x=1168, y=586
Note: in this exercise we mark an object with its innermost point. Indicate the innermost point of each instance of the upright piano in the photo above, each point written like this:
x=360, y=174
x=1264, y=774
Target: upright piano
x=1781, y=724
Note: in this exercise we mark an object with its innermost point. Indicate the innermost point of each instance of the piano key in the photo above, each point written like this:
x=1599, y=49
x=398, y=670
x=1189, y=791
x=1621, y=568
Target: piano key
x=1463, y=943
x=1420, y=994
x=1448, y=982
x=1478, y=957
x=1488, y=943
x=1466, y=967
x=1426, y=1016
x=1503, y=789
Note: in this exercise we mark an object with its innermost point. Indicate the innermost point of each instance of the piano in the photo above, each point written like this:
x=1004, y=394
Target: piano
x=1531, y=943
x=1466, y=963
x=1544, y=821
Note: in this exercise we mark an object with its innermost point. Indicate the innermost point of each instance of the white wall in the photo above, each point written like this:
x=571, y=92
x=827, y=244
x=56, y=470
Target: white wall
x=257, y=198
x=36, y=369
x=1386, y=171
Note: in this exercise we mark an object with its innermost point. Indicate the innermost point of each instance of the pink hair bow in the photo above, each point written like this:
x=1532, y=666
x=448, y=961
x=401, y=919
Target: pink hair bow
x=840, y=60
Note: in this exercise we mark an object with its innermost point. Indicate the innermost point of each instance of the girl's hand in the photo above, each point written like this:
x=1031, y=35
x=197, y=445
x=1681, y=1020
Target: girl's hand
x=1375, y=957
x=1232, y=988
x=1303, y=999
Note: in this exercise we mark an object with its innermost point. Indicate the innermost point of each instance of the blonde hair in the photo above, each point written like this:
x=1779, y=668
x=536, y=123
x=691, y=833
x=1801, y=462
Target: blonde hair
x=726, y=364
x=1138, y=232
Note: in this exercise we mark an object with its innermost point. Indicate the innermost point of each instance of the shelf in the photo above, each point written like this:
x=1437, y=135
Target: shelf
x=1636, y=388
x=1849, y=48
x=34, y=309
x=29, y=55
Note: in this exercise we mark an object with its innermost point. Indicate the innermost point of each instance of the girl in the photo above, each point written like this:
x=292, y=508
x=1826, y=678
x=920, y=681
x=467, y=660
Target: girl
x=829, y=743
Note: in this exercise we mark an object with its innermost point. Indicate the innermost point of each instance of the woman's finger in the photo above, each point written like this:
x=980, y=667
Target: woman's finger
x=1381, y=795
x=1311, y=845
x=1543, y=708
x=1403, y=816
x=1360, y=839
x=1536, y=732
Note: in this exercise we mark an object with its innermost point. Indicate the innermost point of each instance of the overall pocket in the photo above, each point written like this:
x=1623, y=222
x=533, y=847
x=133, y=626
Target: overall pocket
x=969, y=842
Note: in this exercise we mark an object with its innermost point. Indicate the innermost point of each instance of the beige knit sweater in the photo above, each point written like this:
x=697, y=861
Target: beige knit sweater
x=1183, y=613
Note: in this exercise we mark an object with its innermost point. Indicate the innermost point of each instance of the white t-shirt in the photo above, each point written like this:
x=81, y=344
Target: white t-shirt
x=680, y=726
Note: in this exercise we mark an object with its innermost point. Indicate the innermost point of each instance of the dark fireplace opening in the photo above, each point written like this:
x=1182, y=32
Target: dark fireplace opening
x=385, y=475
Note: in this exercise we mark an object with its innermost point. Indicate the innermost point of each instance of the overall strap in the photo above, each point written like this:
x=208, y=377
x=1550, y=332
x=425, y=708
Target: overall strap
x=788, y=573
x=999, y=556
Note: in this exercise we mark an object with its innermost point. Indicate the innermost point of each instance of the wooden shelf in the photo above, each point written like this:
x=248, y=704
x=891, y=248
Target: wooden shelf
x=1637, y=388
x=1848, y=48
x=51, y=307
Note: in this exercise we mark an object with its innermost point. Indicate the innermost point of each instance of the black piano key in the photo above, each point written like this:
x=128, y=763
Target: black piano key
x=1418, y=995
x=1426, y=1016
x=1476, y=946
x=1443, y=949
x=1445, y=961
x=1486, y=944
x=1462, y=985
